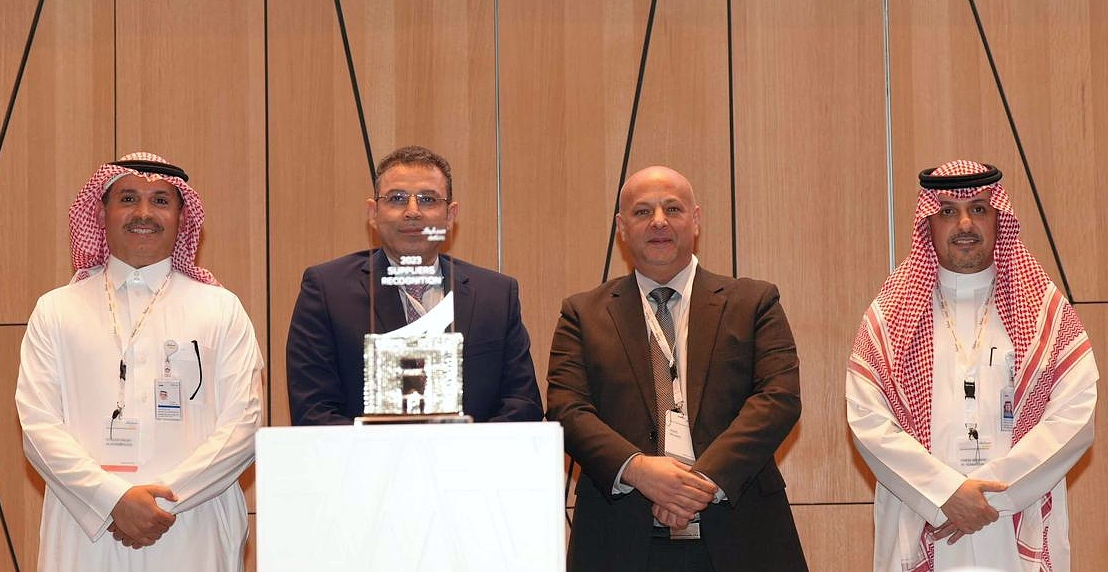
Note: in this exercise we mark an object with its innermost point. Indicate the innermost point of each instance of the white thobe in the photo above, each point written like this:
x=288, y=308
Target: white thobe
x=913, y=483
x=69, y=385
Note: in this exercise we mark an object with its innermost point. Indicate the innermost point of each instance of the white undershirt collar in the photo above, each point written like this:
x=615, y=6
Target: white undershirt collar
x=966, y=284
x=150, y=276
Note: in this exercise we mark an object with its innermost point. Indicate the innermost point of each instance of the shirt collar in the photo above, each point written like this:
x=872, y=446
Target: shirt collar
x=682, y=282
x=967, y=282
x=120, y=272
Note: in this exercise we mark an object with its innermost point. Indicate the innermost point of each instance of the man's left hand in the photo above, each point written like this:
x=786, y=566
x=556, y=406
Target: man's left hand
x=948, y=529
x=123, y=538
x=668, y=518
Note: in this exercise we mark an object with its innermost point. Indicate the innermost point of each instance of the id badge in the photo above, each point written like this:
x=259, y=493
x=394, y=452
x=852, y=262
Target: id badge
x=121, y=445
x=167, y=399
x=679, y=438
x=1008, y=409
x=973, y=453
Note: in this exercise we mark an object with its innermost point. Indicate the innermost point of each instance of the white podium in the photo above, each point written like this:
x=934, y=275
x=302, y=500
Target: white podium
x=482, y=497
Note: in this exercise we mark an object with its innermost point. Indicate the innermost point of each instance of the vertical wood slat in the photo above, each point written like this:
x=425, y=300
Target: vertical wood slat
x=683, y=116
x=1088, y=481
x=20, y=486
x=567, y=74
x=59, y=129
x=836, y=538
x=318, y=174
x=810, y=164
x=191, y=88
x=426, y=73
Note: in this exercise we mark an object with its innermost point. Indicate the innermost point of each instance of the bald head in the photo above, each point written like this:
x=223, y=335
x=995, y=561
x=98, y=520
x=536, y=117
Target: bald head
x=659, y=221
x=656, y=176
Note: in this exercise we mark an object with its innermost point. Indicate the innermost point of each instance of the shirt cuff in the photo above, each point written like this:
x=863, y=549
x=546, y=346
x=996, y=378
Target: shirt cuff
x=720, y=494
x=619, y=487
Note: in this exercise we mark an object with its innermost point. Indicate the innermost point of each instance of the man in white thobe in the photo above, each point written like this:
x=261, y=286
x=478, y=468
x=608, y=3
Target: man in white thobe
x=139, y=386
x=970, y=391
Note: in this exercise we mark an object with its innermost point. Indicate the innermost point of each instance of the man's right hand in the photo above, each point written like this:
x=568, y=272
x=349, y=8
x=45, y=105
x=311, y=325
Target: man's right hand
x=670, y=484
x=139, y=519
x=968, y=509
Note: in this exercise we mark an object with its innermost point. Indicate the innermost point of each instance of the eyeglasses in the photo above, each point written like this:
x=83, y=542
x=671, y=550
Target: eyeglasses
x=400, y=200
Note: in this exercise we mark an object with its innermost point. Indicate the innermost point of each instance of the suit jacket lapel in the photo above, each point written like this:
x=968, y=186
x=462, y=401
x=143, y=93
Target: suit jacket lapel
x=705, y=312
x=457, y=281
x=385, y=300
x=626, y=311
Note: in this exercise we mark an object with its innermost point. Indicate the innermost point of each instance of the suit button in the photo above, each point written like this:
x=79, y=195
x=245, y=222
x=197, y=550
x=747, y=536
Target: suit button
x=654, y=435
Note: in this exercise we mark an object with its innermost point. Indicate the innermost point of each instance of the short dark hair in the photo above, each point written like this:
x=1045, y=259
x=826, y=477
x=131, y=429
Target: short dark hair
x=415, y=155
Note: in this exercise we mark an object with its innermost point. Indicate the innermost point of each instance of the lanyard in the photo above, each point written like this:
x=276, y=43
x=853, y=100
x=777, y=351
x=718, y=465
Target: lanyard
x=117, y=333
x=660, y=338
x=969, y=382
x=978, y=332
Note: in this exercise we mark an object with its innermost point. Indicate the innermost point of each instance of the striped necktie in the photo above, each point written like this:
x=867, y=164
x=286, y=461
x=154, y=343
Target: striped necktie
x=416, y=291
x=663, y=376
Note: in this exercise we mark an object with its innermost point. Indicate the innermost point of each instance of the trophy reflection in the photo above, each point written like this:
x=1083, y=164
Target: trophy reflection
x=413, y=381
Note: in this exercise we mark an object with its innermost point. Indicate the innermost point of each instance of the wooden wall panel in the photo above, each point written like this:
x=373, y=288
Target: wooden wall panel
x=251, y=557
x=836, y=538
x=810, y=163
x=318, y=173
x=1055, y=83
x=946, y=106
x=1088, y=481
x=567, y=80
x=191, y=87
x=1090, y=278
x=683, y=115
x=15, y=22
x=21, y=489
x=426, y=71
x=60, y=128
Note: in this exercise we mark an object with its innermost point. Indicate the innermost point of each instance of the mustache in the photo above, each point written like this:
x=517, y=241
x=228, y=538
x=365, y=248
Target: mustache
x=143, y=222
x=970, y=235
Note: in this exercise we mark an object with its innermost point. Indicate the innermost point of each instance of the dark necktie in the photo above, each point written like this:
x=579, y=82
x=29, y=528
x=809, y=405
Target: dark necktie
x=416, y=291
x=663, y=376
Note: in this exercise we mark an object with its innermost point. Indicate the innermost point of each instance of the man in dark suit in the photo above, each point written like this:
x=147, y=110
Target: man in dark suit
x=413, y=199
x=676, y=446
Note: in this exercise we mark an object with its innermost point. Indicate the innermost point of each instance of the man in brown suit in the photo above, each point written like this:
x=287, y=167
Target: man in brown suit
x=674, y=483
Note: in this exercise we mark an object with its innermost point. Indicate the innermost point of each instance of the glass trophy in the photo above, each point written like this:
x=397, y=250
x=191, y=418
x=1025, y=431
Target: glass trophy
x=413, y=374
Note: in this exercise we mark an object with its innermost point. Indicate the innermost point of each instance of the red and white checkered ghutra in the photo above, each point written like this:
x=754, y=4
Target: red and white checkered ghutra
x=88, y=239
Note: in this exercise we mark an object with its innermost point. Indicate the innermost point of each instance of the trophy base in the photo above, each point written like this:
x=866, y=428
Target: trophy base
x=385, y=419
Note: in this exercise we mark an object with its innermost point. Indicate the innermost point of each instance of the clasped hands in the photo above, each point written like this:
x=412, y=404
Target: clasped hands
x=967, y=510
x=137, y=520
x=677, y=492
